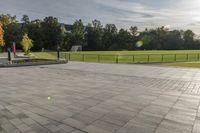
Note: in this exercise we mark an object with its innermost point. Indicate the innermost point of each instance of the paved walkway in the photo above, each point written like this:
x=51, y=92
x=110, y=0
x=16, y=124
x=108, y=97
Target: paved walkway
x=4, y=57
x=99, y=98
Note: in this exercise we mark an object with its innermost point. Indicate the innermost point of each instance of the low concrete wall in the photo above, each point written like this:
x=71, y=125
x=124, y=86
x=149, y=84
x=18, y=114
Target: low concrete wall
x=3, y=60
x=34, y=63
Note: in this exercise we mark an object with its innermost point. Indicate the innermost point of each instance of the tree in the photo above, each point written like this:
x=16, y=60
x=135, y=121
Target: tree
x=188, y=37
x=1, y=35
x=52, y=34
x=94, y=33
x=27, y=44
x=124, y=40
x=134, y=30
x=156, y=38
x=64, y=39
x=25, y=24
x=109, y=36
x=7, y=19
x=173, y=40
x=12, y=34
x=12, y=29
x=36, y=34
x=135, y=37
x=146, y=39
x=66, y=45
x=25, y=19
x=78, y=33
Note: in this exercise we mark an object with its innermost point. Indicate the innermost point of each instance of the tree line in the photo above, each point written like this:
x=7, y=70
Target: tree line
x=49, y=33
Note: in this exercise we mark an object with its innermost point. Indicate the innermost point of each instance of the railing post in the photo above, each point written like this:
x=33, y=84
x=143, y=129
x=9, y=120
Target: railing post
x=58, y=53
x=65, y=56
x=9, y=55
x=98, y=56
x=175, y=57
x=69, y=56
x=148, y=58
x=133, y=58
x=83, y=57
x=117, y=60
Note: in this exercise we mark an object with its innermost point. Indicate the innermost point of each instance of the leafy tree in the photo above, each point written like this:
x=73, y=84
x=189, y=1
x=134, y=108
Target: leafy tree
x=49, y=34
x=188, y=37
x=52, y=35
x=124, y=40
x=7, y=19
x=146, y=39
x=12, y=34
x=25, y=23
x=1, y=35
x=36, y=34
x=78, y=33
x=12, y=29
x=157, y=38
x=134, y=30
x=173, y=40
x=94, y=33
x=27, y=44
x=25, y=19
x=64, y=41
x=109, y=36
x=66, y=45
x=135, y=37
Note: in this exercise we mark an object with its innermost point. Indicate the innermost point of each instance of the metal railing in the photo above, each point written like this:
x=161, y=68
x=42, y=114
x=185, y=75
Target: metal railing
x=137, y=58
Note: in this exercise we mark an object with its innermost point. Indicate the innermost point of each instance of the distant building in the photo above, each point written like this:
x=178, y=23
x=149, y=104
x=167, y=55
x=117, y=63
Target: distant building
x=76, y=48
x=68, y=27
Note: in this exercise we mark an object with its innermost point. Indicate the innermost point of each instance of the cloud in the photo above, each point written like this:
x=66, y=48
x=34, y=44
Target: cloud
x=123, y=13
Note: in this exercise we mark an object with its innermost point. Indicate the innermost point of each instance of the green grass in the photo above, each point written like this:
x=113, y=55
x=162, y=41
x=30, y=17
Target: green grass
x=187, y=65
x=126, y=56
x=141, y=52
x=45, y=55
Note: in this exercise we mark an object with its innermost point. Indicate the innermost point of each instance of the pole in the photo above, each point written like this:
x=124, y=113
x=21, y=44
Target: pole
x=65, y=56
x=175, y=57
x=117, y=59
x=83, y=56
x=133, y=58
x=69, y=56
x=58, y=53
x=14, y=49
x=98, y=58
x=9, y=55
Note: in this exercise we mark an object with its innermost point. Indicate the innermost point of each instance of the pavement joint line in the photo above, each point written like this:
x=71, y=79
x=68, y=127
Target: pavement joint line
x=143, y=108
x=168, y=112
x=121, y=75
x=197, y=111
x=47, y=117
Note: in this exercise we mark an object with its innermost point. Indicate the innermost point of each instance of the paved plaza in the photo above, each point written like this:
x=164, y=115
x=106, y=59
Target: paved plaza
x=99, y=98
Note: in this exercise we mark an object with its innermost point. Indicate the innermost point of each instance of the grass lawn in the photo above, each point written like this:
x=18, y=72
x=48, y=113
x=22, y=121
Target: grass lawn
x=188, y=65
x=126, y=56
x=44, y=55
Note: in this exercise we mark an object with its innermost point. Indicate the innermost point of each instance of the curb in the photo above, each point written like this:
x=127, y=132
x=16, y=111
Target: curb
x=34, y=64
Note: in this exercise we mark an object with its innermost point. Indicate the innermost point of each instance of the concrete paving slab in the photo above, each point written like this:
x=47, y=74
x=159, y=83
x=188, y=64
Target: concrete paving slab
x=106, y=98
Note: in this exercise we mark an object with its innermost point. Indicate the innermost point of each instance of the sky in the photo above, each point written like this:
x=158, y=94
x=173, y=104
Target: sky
x=176, y=14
